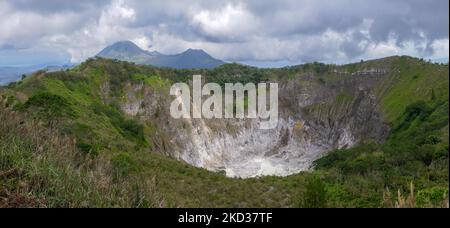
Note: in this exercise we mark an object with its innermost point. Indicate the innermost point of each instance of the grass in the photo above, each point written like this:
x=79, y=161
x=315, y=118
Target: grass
x=417, y=80
x=39, y=168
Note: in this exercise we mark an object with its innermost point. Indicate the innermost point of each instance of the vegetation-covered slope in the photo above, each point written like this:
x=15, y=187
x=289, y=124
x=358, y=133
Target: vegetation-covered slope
x=65, y=142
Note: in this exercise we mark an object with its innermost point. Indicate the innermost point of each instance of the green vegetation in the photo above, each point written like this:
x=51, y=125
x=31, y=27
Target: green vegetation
x=416, y=151
x=315, y=195
x=129, y=128
x=416, y=80
x=48, y=106
x=94, y=155
x=39, y=168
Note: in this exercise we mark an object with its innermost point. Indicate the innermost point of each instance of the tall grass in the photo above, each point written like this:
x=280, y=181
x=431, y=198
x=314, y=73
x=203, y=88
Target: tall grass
x=413, y=200
x=41, y=168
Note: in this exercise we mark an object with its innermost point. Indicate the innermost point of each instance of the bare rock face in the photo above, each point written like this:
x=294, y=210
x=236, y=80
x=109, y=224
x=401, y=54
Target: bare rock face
x=315, y=118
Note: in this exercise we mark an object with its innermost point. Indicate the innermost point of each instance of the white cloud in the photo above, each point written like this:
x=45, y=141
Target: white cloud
x=232, y=22
x=441, y=48
x=234, y=30
x=111, y=26
x=21, y=27
x=4, y=7
x=117, y=13
x=143, y=42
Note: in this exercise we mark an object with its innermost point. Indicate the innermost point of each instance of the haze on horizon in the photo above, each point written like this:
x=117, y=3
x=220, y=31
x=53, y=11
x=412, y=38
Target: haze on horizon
x=261, y=33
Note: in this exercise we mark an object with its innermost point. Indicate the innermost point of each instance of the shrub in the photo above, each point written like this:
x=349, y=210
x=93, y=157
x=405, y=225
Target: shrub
x=124, y=165
x=132, y=128
x=432, y=140
x=128, y=128
x=315, y=195
x=431, y=196
x=419, y=108
x=87, y=148
x=49, y=106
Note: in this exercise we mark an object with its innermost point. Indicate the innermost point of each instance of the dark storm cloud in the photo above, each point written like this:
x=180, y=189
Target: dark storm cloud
x=417, y=21
x=294, y=30
x=411, y=20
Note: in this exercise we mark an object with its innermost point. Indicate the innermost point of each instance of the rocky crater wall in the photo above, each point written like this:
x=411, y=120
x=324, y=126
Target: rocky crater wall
x=315, y=118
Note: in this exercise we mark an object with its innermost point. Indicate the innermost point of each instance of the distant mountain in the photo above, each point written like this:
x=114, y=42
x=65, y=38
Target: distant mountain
x=10, y=74
x=127, y=51
x=190, y=59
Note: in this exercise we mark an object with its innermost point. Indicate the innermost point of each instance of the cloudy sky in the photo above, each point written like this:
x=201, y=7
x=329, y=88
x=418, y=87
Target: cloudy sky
x=262, y=32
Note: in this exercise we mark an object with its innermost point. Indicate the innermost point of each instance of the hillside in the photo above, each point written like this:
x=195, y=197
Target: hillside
x=99, y=135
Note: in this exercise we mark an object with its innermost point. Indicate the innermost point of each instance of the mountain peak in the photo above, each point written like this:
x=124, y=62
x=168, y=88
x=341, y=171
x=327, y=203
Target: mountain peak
x=196, y=52
x=126, y=51
x=126, y=44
